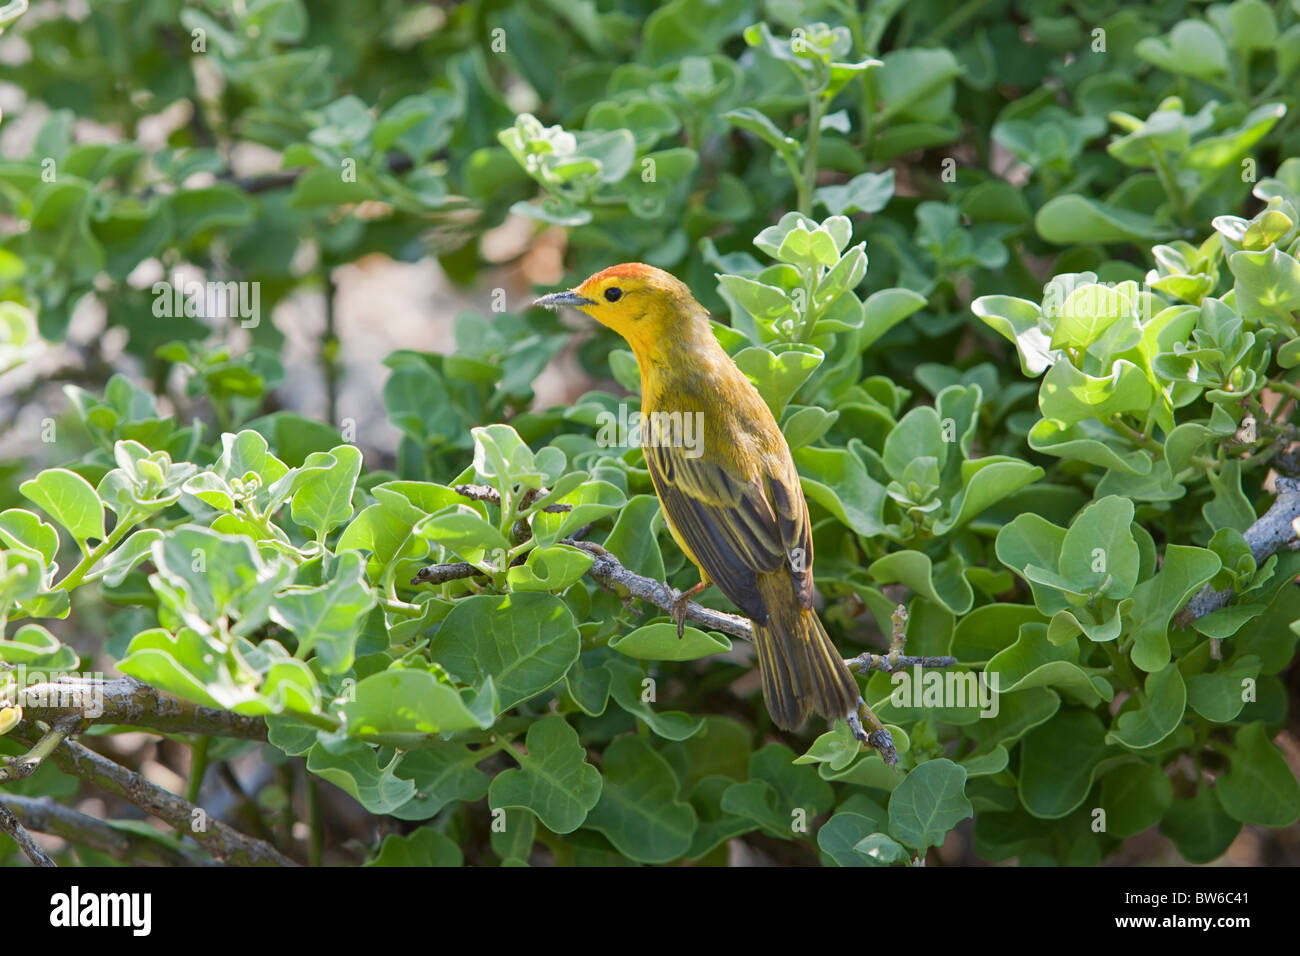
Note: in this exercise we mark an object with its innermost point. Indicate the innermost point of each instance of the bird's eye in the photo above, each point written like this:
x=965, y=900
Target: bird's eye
x=613, y=294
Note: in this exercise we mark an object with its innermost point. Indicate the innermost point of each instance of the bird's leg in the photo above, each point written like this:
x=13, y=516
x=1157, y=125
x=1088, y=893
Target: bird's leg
x=879, y=738
x=680, y=600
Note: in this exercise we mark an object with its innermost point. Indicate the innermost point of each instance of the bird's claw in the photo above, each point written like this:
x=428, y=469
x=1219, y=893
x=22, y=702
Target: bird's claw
x=680, y=601
x=879, y=739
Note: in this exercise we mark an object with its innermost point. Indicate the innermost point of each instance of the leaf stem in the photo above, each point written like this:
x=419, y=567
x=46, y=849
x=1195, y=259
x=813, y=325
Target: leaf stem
x=74, y=577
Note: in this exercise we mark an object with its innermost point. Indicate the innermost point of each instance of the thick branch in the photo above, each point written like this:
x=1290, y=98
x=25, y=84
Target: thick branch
x=1274, y=530
x=125, y=700
x=44, y=815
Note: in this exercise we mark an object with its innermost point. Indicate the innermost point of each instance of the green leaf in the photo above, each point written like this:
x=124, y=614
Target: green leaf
x=638, y=809
x=136, y=548
x=844, y=838
x=1069, y=219
x=424, y=847
x=1035, y=661
x=778, y=373
x=1220, y=695
x=752, y=121
x=1157, y=599
x=1199, y=827
x=324, y=501
x=1087, y=313
x=36, y=648
x=866, y=192
x=1020, y=322
x=355, y=768
x=929, y=802
x=659, y=642
x=917, y=84
x=70, y=500
x=445, y=774
x=328, y=618
x=206, y=577
x=1058, y=760
x=24, y=529
x=634, y=692
x=1098, y=551
x=762, y=301
x=525, y=641
x=554, y=780
x=1017, y=714
x=409, y=702
x=211, y=207
x=1268, y=282
x=944, y=583
x=1260, y=788
x=468, y=534
x=1162, y=705
x=549, y=569
x=1068, y=396
x=884, y=309
x=837, y=480
x=1135, y=796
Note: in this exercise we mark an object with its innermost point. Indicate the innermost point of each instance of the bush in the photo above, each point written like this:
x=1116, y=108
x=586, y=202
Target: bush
x=1020, y=281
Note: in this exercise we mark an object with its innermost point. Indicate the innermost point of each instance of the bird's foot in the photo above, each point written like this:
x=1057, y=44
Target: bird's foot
x=878, y=737
x=681, y=599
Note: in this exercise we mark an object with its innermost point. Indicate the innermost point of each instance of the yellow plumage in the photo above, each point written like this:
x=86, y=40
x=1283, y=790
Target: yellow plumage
x=730, y=492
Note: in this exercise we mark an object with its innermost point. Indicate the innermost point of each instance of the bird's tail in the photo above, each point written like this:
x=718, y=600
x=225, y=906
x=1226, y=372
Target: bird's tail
x=800, y=667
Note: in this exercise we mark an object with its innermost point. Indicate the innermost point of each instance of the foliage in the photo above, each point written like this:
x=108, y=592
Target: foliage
x=1020, y=281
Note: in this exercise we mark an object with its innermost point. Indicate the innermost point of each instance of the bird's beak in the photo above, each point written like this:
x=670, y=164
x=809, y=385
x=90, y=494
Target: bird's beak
x=557, y=299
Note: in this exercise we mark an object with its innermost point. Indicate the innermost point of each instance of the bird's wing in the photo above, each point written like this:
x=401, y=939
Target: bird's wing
x=791, y=510
x=733, y=528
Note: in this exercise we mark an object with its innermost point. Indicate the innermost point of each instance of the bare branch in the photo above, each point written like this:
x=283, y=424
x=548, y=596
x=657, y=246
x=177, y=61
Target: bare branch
x=10, y=825
x=222, y=841
x=442, y=573
x=1274, y=530
x=493, y=497
x=607, y=569
x=44, y=815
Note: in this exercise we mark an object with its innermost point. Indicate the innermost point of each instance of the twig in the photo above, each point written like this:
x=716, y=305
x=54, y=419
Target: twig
x=493, y=497
x=1271, y=532
x=10, y=825
x=607, y=569
x=17, y=768
x=222, y=841
x=889, y=663
x=896, y=660
x=442, y=573
x=880, y=738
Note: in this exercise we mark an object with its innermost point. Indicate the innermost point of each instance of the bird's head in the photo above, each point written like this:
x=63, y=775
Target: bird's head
x=645, y=305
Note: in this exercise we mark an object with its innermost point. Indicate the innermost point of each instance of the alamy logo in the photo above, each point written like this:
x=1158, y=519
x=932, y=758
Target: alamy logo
x=212, y=300
x=36, y=688
x=74, y=908
x=660, y=429
x=930, y=688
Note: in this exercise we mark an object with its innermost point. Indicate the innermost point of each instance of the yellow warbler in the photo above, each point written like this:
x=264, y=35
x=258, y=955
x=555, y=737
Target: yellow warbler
x=727, y=484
